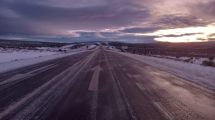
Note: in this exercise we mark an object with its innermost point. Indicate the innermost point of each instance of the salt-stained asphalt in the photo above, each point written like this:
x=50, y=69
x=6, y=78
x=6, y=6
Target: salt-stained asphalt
x=101, y=85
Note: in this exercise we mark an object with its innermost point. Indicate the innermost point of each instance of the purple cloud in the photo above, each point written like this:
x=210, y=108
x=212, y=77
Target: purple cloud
x=57, y=17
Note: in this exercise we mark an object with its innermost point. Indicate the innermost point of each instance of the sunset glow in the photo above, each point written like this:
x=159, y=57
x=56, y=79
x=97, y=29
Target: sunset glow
x=188, y=34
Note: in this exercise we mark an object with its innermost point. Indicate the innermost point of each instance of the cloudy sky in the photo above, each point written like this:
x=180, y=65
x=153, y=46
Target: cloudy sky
x=122, y=20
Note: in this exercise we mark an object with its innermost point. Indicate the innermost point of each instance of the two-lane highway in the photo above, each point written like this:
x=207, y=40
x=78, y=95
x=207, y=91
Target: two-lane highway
x=101, y=85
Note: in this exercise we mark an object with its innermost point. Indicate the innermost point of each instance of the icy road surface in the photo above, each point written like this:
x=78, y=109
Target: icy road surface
x=101, y=85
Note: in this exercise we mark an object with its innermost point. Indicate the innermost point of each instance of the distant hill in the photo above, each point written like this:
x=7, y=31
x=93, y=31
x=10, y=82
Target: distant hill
x=24, y=44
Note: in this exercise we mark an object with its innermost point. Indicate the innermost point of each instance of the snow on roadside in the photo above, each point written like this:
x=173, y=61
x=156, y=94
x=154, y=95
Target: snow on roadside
x=193, y=60
x=113, y=48
x=10, y=59
x=193, y=72
x=8, y=56
x=92, y=46
x=85, y=47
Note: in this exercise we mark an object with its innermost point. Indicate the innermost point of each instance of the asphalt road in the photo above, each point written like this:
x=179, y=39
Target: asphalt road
x=101, y=85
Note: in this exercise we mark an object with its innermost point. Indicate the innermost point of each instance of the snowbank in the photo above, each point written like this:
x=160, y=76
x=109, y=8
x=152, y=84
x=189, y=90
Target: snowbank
x=193, y=72
x=67, y=48
x=13, y=59
x=92, y=46
x=113, y=48
x=8, y=56
x=194, y=60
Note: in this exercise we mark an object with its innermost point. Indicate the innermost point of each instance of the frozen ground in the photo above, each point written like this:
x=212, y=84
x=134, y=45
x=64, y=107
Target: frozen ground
x=193, y=72
x=67, y=48
x=15, y=58
x=16, y=55
x=194, y=60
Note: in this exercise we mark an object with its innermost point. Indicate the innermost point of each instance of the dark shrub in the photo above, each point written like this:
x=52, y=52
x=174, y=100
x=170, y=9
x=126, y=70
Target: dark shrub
x=208, y=63
x=211, y=58
x=177, y=57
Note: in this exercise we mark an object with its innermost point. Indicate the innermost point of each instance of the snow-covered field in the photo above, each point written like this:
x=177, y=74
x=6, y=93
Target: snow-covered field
x=113, y=48
x=15, y=58
x=67, y=48
x=15, y=55
x=193, y=60
x=193, y=72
